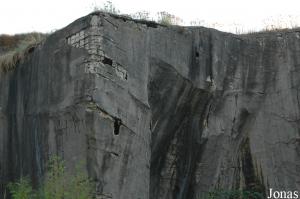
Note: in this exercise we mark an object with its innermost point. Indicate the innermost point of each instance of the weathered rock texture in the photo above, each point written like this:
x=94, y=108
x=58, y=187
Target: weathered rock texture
x=156, y=112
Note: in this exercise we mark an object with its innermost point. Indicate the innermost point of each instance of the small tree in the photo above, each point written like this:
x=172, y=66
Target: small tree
x=166, y=18
x=231, y=194
x=55, y=183
x=109, y=7
x=80, y=187
x=21, y=189
x=142, y=15
x=197, y=22
x=58, y=184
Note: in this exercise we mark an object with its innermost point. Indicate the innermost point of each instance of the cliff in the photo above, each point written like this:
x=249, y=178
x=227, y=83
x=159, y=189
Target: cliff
x=156, y=112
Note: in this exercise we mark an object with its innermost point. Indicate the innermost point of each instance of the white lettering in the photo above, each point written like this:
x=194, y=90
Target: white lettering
x=296, y=194
x=282, y=194
x=270, y=194
x=276, y=194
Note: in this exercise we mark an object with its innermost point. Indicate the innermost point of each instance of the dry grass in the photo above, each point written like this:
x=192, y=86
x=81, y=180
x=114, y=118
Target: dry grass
x=13, y=49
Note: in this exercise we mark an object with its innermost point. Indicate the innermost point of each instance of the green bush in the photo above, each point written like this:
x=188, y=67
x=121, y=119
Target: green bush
x=231, y=194
x=55, y=183
x=21, y=189
x=58, y=184
x=80, y=187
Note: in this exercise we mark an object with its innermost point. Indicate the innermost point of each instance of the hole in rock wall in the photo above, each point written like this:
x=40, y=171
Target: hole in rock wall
x=107, y=61
x=117, y=125
x=31, y=49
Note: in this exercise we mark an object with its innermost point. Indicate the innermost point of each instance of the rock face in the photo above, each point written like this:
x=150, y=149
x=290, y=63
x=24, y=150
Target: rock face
x=156, y=112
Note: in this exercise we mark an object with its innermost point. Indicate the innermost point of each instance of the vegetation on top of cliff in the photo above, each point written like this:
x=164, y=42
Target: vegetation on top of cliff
x=271, y=24
x=163, y=17
x=109, y=7
x=58, y=184
x=13, y=48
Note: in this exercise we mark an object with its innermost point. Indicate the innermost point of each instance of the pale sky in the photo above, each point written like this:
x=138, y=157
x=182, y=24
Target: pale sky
x=19, y=16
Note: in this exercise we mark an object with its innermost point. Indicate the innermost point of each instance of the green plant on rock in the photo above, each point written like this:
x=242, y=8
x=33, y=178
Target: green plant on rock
x=80, y=186
x=21, y=189
x=231, y=194
x=55, y=183
x=58, y=184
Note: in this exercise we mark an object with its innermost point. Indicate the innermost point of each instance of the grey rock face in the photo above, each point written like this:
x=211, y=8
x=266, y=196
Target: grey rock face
x=156, y=112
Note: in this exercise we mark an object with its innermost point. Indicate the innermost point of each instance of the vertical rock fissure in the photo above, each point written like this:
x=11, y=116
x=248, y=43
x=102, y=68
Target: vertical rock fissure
x=209, y=65
x=37, y=151
x=252, y=181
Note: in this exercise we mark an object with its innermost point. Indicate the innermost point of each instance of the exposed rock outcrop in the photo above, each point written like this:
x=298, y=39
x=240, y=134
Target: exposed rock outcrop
x=156, y=112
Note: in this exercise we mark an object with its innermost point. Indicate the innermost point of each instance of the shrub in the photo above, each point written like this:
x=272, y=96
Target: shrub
x=166, y=18
x=280, y=22
x=141, y=15
x=8, y=41
x=21, y=189
x=231, y=194
x=58, y=184
x=109, y=7
x=16, y=48
x=55, y=183
x=80, y=187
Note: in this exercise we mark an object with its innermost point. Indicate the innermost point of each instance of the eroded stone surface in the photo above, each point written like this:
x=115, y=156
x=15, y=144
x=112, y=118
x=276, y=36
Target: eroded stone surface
x=156, y=112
